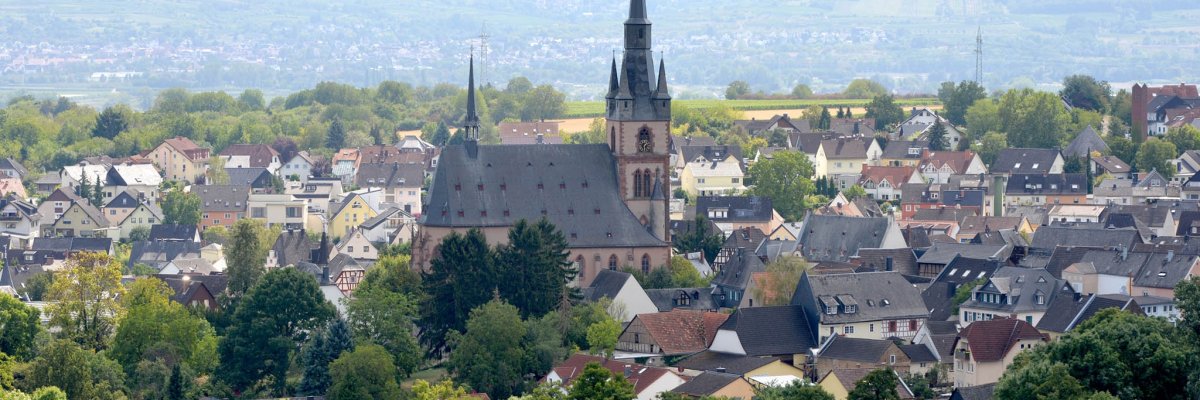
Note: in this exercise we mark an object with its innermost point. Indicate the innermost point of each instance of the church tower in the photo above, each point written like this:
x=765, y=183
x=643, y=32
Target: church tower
x=639, y=125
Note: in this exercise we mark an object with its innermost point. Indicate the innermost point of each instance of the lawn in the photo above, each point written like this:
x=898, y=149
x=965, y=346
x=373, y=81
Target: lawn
x=586, y=109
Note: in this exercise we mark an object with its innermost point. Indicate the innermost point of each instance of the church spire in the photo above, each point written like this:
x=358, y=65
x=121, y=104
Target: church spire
x=637, y=12
x=613, y=83
x=662, y=92
x=471, y=124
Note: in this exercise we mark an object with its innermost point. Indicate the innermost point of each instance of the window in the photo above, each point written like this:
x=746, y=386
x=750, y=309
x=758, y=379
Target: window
x=912, y=324
x=258, y=212
x=645, y=263
x=848, y=330
x=892, y=359
x=612, y=262
x=737, y=180
x=891, y=326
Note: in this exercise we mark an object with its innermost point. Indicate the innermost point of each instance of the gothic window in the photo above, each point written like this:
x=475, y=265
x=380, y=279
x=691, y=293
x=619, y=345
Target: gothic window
x=646, y=183
x=612, y=262
x=645, y=145
x=645, y=263
x=637, y=184
x=612, y=139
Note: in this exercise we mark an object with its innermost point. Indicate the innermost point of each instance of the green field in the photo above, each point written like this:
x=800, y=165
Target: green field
x=591, y=109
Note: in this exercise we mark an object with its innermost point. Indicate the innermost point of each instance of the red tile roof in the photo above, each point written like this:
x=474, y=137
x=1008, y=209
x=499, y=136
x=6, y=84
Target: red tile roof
x=894, y=175
x=991, y=340
x=640, y=376
x=958, y=160
x=188, y=148
x=682, y=331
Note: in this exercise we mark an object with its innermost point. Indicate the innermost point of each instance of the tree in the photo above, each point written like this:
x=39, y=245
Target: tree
x=783, y=275
x=864, y=89
x=79, y=372
x=19, y=325
x=598, y=383
x=325, y=347
x=542, y=103
x=460, y=279
x=684, y=274
x=83, y=299
x=937, y=137
x=701, y=238
x=885, y=111
x=841, y=113
x=112, y=121
x=245, y=255
x=1039, y=380
x=181, y=208
x=855, y=192
x=1187, y=299
x=385, y=317
x=441, y=135
x=444, y=390
x=826, y=120
x=537, y=267
x=736, y=90
x=1156, y=155
x=801, y=92
x=1033, y=119
x=489, y=356
x=153, y=321
x=252, y=100
x=1083, y=91
x=272, y=317
x=956, y=99
x=365, y=373
x=1184, y=138
x=794, y=391
x=602, y=336
x=880, y=384
x=37, y=286
x=1122, y=148
x=983, y=117
x=337, y=135
x=216, y=174
x=785, y=180
x=962, y=293
x=990, y=146
x=175, y=384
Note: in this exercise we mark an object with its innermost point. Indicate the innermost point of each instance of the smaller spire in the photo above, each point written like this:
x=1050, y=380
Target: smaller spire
x=623, y=90
x=662, y=93
x=613, y=83
x=472, y=119
x=637, y=11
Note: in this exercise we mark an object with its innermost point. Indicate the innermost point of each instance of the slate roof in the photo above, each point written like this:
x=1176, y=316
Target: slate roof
x=223, y=198
x=164, y=232
x=390, y=175
x=1067, y=313
x=771, y=331
x=72, y=244
x=383, y=216
x=157, y=254
x=981, y=392
x=345, y=262
x=837, y=238
x=1046, y=185
x=682, y=331
x=1022, y=286
x=216, y=284
x=606, y=284
x=855, y=349
x=711, y=153
x=943, y=253
x=958, y=161
x=944, y=214
x=260, y=155
x=736, y=272
x=904, y=260
x=740, y=208
x=665, y=299
x=879, y=296
x=980, y=224
x=575, y=186
x=990, y=340
x=918, y=353
x=293, y=247
x=938, y=297
x=706, y=384
x=254, y=177
x=784, y=121
x=732, y=363
x=1024, y=161
x=1048, y=237
x=9, y=163
x=903, y=149
x=808, y=143
x=1112, y=164
x=1084, y=143
x=194, y=266
x=1164, y=270
x=846, y=148
x=1061, y=258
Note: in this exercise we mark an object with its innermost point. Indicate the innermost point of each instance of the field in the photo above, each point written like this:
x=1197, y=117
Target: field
x=592, y=109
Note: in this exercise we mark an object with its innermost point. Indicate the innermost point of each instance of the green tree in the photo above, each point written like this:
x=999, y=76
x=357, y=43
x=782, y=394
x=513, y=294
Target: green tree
x=80, y=373
x=854, y=192
x=461, y=278
x=795, y=391
x=864, y=89
x=1083, y=91
x=602, y=336
x=801, y=92
x=19, y=325
x=489, y=356
x=245, y=255
x=441, y=135
x=542, y=103
x=365, y=373
x=826, y=120
x=1156, y=155
x=153, y=321
x=273, y=316
x=252, y=100
x=937, y=137
x=885, y=111
x=325, y=347
x=684, y=274
x=983, y=117
x=83, y=299
x=1034, y=119
x=990, y=146
x=1122, y=148
x=181, y=208
x=48, y=393
x=956, y=99
x=1039, y=380
x=536, y=265
x=598, y=383
x=783, y=275
x=785, y=180
x=444, y=390
x=336, y=139
x=701, y=238
x=113, y=121
x=175, y=384
x=962, y=293
x=736, y=90
x=217, y=174
x=1184, y=138
x=841, y=113
x=880, y=384
x=386, y=317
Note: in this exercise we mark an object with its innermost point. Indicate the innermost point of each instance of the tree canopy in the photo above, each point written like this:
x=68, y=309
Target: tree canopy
x=785, y=179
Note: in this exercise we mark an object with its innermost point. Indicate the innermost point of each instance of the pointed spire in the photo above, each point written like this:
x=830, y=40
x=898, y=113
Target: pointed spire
x=662, y=93
x=637, y=11
x=472, y=119
x=613, y=85
x=623, y=90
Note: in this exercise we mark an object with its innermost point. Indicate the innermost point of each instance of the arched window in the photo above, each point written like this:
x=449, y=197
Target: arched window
x=646, y=184
x=612, y=139
x=645, y=263
x=612, y=262
x=637, y=184
x=579, y=264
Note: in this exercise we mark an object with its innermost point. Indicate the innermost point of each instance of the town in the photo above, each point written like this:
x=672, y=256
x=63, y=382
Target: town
x=1020, y=244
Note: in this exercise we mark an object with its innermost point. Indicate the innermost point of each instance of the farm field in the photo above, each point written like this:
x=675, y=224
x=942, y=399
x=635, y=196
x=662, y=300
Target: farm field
x=585, y=109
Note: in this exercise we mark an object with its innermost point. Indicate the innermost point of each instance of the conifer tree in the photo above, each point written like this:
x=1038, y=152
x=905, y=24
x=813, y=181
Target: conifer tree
x=337, y=135
x=841, y=113
x=460, y=278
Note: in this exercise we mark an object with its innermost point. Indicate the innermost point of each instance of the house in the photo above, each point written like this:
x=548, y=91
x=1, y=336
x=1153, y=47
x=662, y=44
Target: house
x=917, y=197
x=193, y=266
x=48, y=182
x=180, y=159
x=79, y=220
x=883, y=183
x=119, y=207
x=781, y=332
x=901, y=260
x=1112, y=191
x=1161, y=307
x=222, y=205
x=401, y=183
x=874, y=305
x=1039, y=189
x=734, y=213
x=196, y=290
x=741, y=365
x=841, y=382
x=73, y=176
x=903, y=153
x=1086, y=143
x=174, y=233
x=1075, y=213
x=1112, y=166
x=716, y=385
x=920, y=121
x=391, y=225
x=960, y=272
x=141, y=180
x=1152, y=186
x=648, y=382
x=1153, y=108
x=13, y=186
x=935, y=259
x=981, y=392
x=972, y=226
x=938, y=337
x=19, y=221
x=537, y=132
x=291, y=248
x=939, y=166
x=145, y=216
x=842, y=159
x=624, y=291
x=986, y=348
x=1049, y=237
x=1014, y=292
x=346, y=272
x=282, y=210
x=299, y=168
x=345, y=163
x=837, y=238
x=734, y=277
x=158, y=254
x=853, y=126
x=711, y=170
x=1028, y=162
x=357, y=245
x=63, y=247
x=668, y=334
x=318, y=192
x=259, y=180
x=349, y=214
x=698, y=299
x=251, y=156
x=12, y=169
x=1067, y=313
x=756, y=127
x=842, y=352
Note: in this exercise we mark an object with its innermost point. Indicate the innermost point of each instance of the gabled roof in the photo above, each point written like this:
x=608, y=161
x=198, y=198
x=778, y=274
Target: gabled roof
x=216, y=284
x=606, y=284
x=938, y=297
x=260, y=155
x=253, y=177
x=218, y=198
x=894, y=175
x=918, y=353
x=293, y=247
x=740, y=208
x=958, y=161
x=944, y=214
x=9, y=163
x=123, y=200
x=1084, y=143
x=837, y=238
x=943, y=253
x=164, y=232
x=1023, y=287
x=160, y=253
x=1066, y=313
x=991, y=340
x=72, y=244
x=846, y=148
x=390, y=175
x=1048, y=237
x=711, y=153
x=731, y=363
x=640, y=376
x=134, y=175
x=667, y=299
x=903, y=260
x=877, y=295
x=189, y=148
x=904, y=149
x=706, y=384
x=850, y=377
x=1047, y=185
x=855, y=349
x=682, y=331
x=736, y=272
x=92, y=213
x=771, y=331
x=783, y=121
x=1024, y=161
x=383, y=216
x=981, y=392
x=808, y=143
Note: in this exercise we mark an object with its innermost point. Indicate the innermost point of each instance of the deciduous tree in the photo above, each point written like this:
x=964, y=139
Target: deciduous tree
x=460, y=279
x=246, y=253
x=489, y=356
x=785, y=179
x=1156, y=155
x=365, y=373
x=181, y=208
x=83, y=299
x=598, y=383
x=880, y=384
x=19, y=325
x=885, y=111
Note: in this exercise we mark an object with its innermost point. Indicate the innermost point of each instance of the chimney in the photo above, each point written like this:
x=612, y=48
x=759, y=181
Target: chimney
x=1124, y=252
x=721, y=370
x=324, y=275
x=628, y=371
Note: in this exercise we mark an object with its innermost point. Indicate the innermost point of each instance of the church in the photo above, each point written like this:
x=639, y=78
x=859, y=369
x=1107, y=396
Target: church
x=609, y=200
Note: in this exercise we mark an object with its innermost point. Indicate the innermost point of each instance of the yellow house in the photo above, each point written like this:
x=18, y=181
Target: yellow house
x=712, y=171
x=716, y=385
x=903, y=153
x=79, y=220
x=348, y=215
x=180, y=159
x=846, y=156
x=745, y=366
x=840, y=382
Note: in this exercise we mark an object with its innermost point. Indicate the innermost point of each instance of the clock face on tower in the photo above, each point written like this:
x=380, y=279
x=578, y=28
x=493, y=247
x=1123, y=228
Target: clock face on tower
x=644, y=144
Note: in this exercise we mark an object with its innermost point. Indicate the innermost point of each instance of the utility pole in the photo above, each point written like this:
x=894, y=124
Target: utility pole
x=483, y=51
x=979, y=57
